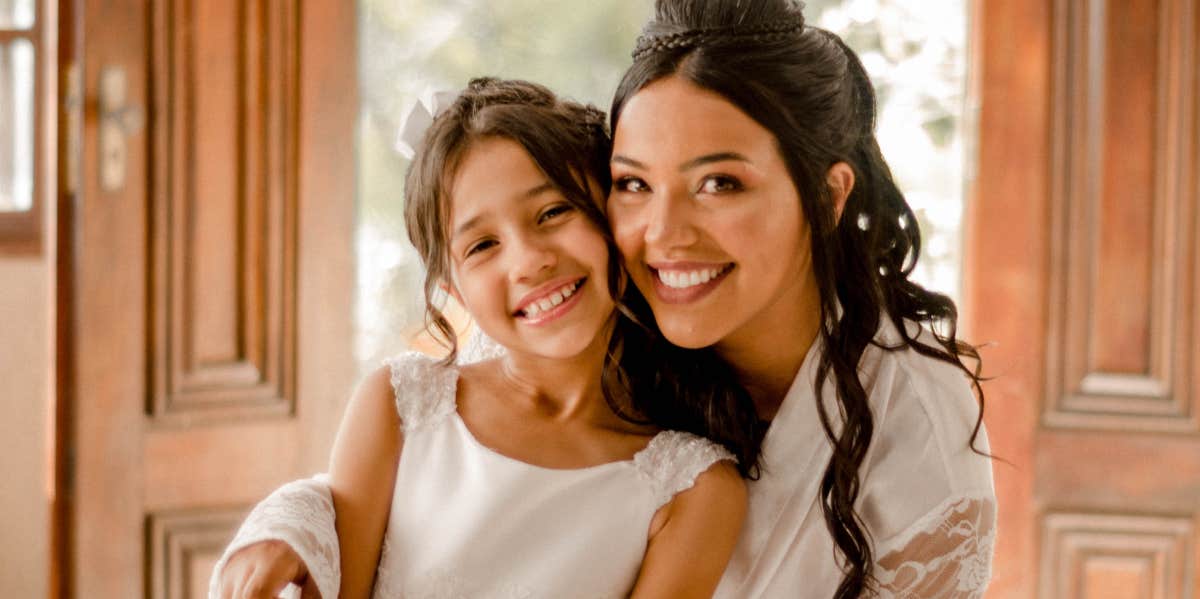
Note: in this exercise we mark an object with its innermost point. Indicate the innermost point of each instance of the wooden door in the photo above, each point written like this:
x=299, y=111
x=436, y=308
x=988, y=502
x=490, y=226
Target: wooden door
x=208, y=303
x=1082, y=267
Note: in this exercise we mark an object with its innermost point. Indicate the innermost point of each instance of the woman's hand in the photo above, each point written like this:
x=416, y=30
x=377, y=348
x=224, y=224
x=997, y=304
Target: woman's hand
x=261, y=571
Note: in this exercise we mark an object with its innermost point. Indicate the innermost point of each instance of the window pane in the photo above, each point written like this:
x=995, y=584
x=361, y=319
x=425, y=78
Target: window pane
x=16, y=14
x=915, y=52
x=16, y=126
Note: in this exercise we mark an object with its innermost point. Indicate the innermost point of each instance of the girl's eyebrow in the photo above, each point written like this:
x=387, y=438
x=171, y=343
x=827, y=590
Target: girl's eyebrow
x=529, y=193
x=689, y=165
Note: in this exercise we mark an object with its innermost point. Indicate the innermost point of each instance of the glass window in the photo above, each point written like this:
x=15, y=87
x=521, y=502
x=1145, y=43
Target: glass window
x=16, y=14
x=16, y=126
x=914, y=50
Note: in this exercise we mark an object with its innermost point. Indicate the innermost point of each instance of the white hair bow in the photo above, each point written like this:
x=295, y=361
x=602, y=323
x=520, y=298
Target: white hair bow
x=419, y=118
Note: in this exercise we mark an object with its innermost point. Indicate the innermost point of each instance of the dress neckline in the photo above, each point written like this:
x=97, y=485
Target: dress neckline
x=473, y=440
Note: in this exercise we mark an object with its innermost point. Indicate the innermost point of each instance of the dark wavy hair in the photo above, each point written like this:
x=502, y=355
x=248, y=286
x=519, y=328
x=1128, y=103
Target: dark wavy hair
x=808, y=89
x=645, y=379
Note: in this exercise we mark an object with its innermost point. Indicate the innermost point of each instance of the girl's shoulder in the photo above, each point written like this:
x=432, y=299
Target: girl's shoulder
x=672, y=461
x=423, y=389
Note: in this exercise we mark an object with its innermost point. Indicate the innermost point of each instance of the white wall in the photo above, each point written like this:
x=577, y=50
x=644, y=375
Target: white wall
x=26, y=392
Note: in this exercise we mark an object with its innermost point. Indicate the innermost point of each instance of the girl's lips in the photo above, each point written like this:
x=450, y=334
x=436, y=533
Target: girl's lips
x=692, y=293
x=556, y=312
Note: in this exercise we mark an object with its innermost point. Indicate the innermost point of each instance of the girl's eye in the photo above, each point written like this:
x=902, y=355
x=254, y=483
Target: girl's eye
x=630, y=185
x=554, y=211
x=720, y=184
x=479, y=247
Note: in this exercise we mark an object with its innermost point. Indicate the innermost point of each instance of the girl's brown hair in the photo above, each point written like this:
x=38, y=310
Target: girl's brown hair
x=568, y=141
x=645, y=379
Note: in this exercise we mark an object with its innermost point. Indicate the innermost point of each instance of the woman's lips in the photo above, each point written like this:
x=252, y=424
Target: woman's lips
x=682, y=283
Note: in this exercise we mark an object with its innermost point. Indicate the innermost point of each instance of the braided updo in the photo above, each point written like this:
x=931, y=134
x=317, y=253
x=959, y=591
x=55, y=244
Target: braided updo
x=806, y=87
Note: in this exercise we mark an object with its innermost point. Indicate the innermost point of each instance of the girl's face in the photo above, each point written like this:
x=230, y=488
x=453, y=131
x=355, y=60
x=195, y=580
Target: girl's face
x=707, y=217
x=530, y=269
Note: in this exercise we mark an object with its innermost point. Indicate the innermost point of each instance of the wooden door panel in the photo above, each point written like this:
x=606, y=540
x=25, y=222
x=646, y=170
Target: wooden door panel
x=1121, y=335
x=1085, y=234
x=224, y=225
x=211, y=297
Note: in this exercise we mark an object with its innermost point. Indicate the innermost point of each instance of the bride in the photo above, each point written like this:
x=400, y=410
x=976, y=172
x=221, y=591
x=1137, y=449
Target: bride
x=756, y=214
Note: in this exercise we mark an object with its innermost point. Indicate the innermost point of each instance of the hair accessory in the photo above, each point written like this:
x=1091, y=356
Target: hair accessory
x=420, y=116
x=692, y=38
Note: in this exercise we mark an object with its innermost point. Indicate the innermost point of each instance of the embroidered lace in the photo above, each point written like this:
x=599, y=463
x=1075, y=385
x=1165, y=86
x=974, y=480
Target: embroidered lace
x=945, y=555
x=673, y=459
x=300, y=514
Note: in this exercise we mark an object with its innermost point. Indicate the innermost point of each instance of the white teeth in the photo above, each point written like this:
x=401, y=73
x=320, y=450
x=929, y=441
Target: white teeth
x=550, y=301
x=677, y=279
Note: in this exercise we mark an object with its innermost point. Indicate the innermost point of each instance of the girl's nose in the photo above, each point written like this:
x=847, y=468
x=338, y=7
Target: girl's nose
x=530, y=258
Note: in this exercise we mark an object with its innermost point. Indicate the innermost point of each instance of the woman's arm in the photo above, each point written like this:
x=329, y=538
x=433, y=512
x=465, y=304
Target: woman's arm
x=362, y=474
x=693, y=537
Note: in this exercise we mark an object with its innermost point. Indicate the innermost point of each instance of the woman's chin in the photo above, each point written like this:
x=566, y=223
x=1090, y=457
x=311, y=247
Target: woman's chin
x=688, y=335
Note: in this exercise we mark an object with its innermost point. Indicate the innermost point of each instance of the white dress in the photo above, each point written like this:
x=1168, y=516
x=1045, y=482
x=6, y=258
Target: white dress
x=927, y=500
x=469, y=522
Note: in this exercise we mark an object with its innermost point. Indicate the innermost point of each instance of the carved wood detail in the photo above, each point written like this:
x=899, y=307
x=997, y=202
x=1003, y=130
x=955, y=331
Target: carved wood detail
x=224, y=81
x=183, y=547
x=1089, y=556
x=1122, y=322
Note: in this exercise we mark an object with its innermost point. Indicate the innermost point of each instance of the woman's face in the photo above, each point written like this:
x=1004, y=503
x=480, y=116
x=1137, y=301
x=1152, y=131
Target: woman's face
x=707, y=217
x=529, y=268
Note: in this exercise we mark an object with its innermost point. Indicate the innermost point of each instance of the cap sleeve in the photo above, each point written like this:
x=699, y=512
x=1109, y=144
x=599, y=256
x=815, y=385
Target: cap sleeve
x=673, y=459
x=424, y=389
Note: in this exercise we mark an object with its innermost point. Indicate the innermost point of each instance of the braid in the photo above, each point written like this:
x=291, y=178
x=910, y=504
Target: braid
x=649, y=43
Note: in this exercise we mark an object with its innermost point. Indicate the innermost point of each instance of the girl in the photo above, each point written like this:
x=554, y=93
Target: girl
x=756, y=214
x=517, y=477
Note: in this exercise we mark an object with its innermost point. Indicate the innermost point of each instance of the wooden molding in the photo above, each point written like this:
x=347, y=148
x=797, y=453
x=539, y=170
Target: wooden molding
x=1108, y=555
x=1121, y=335
x=223, y=224
x=181, y=548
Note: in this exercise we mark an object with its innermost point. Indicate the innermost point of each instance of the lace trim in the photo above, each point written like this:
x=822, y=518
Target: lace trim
x=947, y=554
x=300, y=514
x=479, y=348
x=672, y=461
x=424, y=390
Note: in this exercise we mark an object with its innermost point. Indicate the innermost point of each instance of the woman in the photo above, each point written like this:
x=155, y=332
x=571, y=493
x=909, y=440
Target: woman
x=756, y=214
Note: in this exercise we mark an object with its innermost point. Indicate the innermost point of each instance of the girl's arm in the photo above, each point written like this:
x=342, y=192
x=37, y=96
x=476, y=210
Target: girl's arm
x=693, y=536
x=362, y=474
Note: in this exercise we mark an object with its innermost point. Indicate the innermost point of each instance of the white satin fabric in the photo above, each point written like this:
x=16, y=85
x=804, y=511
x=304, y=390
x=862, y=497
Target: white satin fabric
x=927, y=499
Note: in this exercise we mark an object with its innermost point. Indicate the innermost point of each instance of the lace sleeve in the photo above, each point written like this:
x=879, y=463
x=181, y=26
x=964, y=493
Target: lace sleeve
x=300, y=514
x=947, y=554
x=673, y=459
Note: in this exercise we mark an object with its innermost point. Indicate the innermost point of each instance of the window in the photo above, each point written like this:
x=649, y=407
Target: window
x=20, y=126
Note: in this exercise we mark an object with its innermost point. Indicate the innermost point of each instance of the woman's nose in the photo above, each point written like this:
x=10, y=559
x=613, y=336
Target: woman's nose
x=669, y=221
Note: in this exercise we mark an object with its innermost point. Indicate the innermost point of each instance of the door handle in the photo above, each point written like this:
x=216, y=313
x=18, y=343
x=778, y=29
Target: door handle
x=118, y=121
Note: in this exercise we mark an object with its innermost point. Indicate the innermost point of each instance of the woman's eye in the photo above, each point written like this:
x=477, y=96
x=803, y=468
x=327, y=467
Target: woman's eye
x=720, y=184
x=630, y=185
x=554, y=211
x=475, y=248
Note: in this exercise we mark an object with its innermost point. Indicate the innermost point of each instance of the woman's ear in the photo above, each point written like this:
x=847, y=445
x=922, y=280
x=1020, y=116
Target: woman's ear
x=840, y=179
